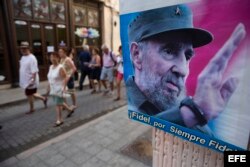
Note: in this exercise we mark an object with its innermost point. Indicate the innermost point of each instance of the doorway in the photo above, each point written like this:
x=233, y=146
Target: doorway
x=42, y=37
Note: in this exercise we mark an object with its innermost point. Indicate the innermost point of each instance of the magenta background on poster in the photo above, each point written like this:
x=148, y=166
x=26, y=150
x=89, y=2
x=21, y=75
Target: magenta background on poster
x=219, y=17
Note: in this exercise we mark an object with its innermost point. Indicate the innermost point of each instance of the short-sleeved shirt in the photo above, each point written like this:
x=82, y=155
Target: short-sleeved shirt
x=120, y=64
x=107, y=60
x=28, y=66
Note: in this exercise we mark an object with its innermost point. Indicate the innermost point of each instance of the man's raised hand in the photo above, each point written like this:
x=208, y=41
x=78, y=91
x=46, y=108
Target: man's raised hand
x=212, y=92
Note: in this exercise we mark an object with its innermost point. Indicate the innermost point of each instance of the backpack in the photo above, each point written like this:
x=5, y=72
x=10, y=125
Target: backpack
x=115, y=63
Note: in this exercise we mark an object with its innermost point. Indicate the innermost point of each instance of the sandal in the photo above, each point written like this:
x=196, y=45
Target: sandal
x=30, y=112
x=70, y=113
x=93, y=91
x=58, y=124
x=117, y=99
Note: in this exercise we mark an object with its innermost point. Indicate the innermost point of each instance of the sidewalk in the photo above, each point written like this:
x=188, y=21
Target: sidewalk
x=95, y=144
x=21, y=132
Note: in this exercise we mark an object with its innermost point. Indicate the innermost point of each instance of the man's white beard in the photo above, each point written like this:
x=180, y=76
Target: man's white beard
x=152, y=88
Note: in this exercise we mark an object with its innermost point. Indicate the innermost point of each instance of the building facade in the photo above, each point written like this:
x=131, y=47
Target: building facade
x=49, y=23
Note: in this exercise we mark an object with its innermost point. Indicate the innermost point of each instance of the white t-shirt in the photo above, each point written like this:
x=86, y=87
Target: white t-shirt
x=120, y=64
x=28, y=66
x=55, y=80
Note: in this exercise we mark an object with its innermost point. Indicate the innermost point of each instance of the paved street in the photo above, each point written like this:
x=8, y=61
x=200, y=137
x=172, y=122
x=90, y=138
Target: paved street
x=21, y=132
x=94, y=144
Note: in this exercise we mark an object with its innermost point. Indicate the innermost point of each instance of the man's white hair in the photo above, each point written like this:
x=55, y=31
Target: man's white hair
x=85, y=47
x=104, y=46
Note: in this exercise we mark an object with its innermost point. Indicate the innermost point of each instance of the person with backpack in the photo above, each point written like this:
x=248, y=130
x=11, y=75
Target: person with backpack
x=109, y=62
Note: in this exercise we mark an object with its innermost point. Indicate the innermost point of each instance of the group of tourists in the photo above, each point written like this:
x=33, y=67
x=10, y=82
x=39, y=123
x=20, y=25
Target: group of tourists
x=100, y=70
x=63, y=72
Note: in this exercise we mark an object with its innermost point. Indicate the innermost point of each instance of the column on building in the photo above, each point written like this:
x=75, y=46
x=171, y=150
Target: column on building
x=111, y=24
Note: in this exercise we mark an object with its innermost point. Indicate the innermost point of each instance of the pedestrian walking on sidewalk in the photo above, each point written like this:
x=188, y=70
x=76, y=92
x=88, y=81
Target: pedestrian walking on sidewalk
x=84, y=59
x=95, y=70
x=70, y=69
x=72, y=55
x=119, y=75
x=109, y=62
x=28, y=74
x=57, y=78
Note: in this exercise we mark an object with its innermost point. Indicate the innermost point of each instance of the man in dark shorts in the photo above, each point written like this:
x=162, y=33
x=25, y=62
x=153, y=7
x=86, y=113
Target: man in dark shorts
x=28, y=76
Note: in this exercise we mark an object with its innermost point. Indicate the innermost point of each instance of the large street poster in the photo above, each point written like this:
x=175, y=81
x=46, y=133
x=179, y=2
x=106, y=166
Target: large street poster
x=186, y=68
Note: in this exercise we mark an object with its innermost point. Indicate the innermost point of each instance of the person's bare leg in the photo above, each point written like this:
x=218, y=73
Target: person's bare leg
x=40, y=97
x=59, y=120
x=90, y=86
x=73, y=97
x=70, y=109
x=66, y=106
x=111, y=86
x=93, y=85
x=118, y=87
x=31, y=103
x=104, y=84
x=99, y=85
x=59, y=113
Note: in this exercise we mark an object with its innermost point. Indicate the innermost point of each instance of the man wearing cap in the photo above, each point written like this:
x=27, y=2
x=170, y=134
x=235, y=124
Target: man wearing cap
x=162, y=43
x=28, y=76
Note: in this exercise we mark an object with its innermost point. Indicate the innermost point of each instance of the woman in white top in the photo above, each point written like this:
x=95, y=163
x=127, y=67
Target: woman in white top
x=119, y=76
x=57, y=78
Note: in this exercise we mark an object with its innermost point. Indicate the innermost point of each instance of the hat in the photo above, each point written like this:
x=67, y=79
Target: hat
x=167, y=19
x=24, y=44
